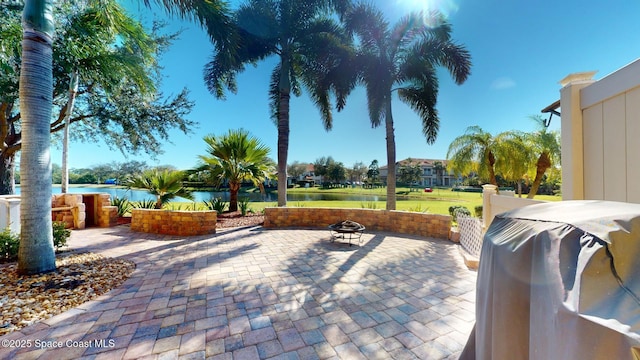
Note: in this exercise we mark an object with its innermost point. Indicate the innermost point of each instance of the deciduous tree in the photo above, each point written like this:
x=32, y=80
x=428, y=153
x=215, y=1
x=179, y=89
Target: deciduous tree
x=118, y=74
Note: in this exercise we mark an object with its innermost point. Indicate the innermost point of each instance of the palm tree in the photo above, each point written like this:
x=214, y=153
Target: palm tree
x=236, y=157
x=307, y=42
x=403, y=59
x=36, y=253
x=164, y=184
x=546, y=145
x=439, y=169
x=480, y=152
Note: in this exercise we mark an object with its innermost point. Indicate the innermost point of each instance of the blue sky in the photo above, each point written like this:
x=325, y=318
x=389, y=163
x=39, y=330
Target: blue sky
x=520, y=51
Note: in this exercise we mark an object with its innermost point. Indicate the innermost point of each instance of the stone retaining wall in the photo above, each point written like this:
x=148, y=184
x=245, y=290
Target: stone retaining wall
x=404, y=222
x=172, y=222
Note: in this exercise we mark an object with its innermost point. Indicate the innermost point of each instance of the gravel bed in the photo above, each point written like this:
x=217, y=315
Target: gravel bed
x=25, y=300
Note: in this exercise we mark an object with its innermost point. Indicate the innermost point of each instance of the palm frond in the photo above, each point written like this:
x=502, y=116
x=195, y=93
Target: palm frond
x=369, y=25
x=213, y=15
x=455, y=58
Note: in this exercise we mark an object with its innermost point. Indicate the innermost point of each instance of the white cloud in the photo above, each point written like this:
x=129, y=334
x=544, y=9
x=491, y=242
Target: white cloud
x=503, y=83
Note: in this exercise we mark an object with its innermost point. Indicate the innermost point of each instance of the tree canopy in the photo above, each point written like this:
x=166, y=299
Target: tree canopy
x=119, y=76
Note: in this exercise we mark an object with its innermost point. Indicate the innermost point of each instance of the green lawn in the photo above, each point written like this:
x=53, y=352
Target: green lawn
x=436, y=202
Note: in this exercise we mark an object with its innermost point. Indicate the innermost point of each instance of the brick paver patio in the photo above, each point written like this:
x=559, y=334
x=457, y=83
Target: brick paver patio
x=266, y=294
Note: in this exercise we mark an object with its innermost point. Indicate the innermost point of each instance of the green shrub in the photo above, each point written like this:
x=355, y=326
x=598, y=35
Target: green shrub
x=216, y=204
x=419, y=209
x=478, y=211
x=60, y=234
x=243, y=203
x=145, y=204
x=458, y=209
x=123, y=205
x=9, y=244
x=369, y=205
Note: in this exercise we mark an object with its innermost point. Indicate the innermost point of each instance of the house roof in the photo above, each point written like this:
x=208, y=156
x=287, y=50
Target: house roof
x=421, y=162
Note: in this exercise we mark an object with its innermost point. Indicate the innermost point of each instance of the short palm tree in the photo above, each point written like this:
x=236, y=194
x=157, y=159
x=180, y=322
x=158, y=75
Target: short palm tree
x=404, y=59
x=545, y=145
x=304, y=37
x=235, y=157
x=480, y=152
x=165, y=185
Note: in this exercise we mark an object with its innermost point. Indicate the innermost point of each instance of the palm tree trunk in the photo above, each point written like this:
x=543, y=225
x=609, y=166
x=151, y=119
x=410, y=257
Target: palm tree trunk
x=283, y=129
x=492, y=172
x=391, y=160
x=73, y=89
x=36, y=253
x=541, y=167
x=233, y=196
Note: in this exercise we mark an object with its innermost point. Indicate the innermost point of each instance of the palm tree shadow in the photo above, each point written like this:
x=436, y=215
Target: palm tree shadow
x=357, y=254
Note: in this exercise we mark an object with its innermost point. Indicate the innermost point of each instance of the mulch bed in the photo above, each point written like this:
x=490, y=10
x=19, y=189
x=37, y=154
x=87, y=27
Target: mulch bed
x=235, y=219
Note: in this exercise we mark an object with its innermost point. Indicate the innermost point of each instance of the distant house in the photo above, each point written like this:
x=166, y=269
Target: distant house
x=431, y=174
x=308, y=177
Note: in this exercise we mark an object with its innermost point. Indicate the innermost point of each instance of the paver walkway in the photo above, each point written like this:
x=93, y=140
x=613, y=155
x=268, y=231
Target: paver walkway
x=266, y=294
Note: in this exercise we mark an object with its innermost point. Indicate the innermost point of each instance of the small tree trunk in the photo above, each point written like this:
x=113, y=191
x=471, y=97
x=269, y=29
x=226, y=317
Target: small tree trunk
x=73, y=89
x=544, y=162
x=391, y=160
x=519, y=188
x=233, y=196
x=7, y=171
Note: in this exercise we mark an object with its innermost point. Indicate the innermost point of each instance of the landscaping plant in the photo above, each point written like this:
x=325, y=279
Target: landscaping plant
x=123, y=204
x=243, y=204
x=145, y=204
x=216, y=204
x=60, y=234
x=9, y=244
x=455, y=210
x=478, y=211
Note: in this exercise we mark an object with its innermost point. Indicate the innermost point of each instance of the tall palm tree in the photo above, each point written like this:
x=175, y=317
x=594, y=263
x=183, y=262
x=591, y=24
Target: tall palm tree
x=165, y=185
x=480, y=152
x=545, y=145
x=236, y=157
x=307, y=42
x=36, y=253
x=403, y=59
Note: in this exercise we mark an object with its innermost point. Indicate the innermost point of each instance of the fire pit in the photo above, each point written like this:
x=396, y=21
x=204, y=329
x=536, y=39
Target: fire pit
x=341, y=229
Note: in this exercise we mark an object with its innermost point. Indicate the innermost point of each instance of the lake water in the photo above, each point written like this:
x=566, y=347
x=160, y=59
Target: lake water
x=140, y=195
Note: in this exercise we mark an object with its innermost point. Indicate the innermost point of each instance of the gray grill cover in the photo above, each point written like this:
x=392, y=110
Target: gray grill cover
x=559, y=281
